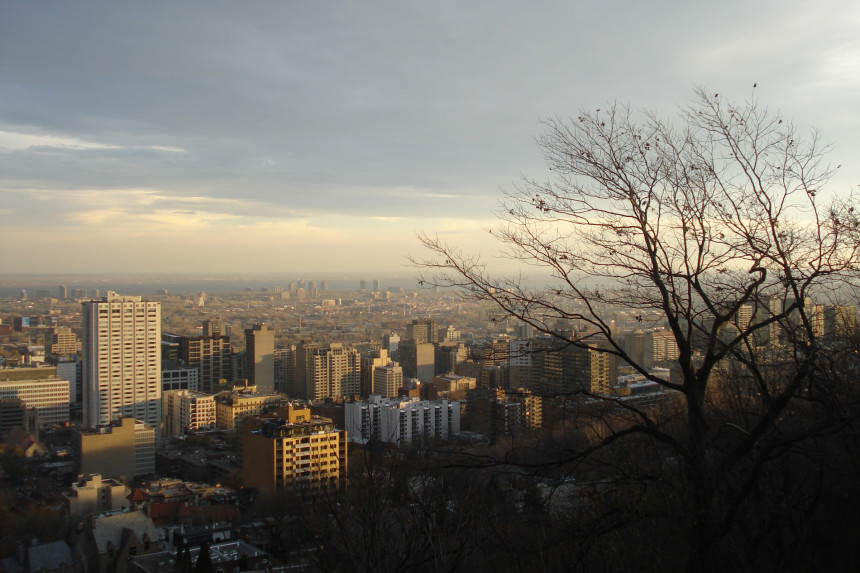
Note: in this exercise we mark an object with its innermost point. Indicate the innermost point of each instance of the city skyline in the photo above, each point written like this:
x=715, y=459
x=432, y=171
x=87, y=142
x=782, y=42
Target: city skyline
x=244, y=138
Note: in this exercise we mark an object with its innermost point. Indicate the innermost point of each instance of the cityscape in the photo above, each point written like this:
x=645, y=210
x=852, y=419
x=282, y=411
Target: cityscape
x=429, y=287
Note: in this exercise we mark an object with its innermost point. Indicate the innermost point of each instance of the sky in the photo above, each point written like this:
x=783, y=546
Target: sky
x=321, y=136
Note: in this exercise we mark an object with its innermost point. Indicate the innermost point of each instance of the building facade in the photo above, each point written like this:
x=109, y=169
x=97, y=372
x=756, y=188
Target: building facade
x=296, y=451
x=121, y=355
x=123, y=449
x=187, y=411
x=39, y=390
x=330, y=371
x=401, y=421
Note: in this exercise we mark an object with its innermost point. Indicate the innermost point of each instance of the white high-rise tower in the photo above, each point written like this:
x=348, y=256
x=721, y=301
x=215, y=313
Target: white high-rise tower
x=121, y=360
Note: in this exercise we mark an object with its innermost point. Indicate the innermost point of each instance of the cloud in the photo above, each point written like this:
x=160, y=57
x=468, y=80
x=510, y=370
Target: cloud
x=285, y=116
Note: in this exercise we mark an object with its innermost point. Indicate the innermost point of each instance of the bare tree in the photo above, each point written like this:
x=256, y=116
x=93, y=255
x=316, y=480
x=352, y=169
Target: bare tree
x=719, y=222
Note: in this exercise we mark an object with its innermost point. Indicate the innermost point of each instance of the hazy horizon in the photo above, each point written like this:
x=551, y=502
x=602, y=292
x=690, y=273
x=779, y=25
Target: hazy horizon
x=228, y=137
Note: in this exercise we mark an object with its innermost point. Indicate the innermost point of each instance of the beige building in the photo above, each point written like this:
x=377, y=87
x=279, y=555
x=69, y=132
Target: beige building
x=187, y=411
x=295, y=451
x=121, y=355
x=231, y=408
x=39, y=390
x=96, y=494
x=388, y=380
x=454, y=383
x=330, y=370
x=124, y=449
x=62, y=341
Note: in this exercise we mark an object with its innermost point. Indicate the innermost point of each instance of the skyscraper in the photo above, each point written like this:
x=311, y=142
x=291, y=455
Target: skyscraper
x=260, y=357
x=121, y=360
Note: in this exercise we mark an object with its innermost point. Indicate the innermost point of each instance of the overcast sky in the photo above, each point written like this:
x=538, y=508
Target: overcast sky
x=320, y=136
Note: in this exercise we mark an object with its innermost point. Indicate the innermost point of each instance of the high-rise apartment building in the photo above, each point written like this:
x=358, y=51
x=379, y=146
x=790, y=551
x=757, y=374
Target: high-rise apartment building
x=121, y=360
x=260, y=357
x=210, y=354
x=330, y=371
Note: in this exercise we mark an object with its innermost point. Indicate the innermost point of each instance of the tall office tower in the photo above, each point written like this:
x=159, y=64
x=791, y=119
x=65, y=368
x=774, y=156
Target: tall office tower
x=121, y=360
x=260, y=357
x=331, y=371
x=831, y=322
x=362, y=285
x=422, y=330
x=62, y=292
x=376, y=285
x=324, y=286
x=313, y=292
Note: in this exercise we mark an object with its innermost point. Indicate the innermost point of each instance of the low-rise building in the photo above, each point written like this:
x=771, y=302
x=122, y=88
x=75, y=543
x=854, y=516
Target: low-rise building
x=232, y=407
x=95, y=494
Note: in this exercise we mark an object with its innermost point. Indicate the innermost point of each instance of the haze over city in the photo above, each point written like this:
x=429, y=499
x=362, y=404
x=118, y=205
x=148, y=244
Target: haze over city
x=262, y=136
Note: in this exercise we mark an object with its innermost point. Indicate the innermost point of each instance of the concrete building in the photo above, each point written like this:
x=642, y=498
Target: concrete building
x=123, y=449
x=370, y=360
x=187, y=411
x=388, y=380
x=95, y=494
x=296, y=450
x=260, y=357
x=232, y=408
x=418, y=359
x=121, y=355
x=62, y=341
x=401, y=421
x=40, y=390
x=175, y=377
x=72, y=371
x=454, y=383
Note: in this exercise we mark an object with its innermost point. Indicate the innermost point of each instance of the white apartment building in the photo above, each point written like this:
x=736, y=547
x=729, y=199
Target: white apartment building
x=401, y=421
x=121, y=354
x=187, y=411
